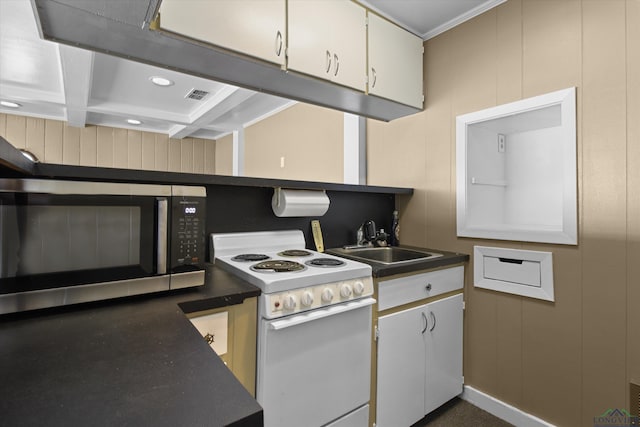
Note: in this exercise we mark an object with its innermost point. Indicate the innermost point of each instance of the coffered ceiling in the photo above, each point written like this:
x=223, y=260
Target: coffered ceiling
x=60, y=82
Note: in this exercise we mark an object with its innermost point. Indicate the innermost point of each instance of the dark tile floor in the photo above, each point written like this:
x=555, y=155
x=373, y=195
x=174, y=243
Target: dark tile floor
x=459, y=413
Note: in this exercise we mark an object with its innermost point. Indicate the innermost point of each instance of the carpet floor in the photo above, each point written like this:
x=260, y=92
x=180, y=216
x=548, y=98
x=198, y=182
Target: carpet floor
x=459, y=413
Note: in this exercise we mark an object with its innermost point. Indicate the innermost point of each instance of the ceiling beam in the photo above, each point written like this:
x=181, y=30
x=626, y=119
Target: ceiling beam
x=355, y=149
x=29, y=95
x=120, y=109
x=219, y=104
x=238, y=152
x=77, y=76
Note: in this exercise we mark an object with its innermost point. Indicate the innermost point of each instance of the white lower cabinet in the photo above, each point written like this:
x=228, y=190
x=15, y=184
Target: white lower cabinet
x=401, y=368
x=443, y=378
x=419, y=361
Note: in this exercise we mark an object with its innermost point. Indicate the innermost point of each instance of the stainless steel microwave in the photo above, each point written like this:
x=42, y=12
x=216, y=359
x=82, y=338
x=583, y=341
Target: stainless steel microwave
x=67, y=242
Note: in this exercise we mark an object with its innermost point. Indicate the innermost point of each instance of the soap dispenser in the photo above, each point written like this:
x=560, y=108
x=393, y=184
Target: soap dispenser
x=395, y=230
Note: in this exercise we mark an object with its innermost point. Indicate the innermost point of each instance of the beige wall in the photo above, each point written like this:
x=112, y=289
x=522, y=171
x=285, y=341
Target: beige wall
x=224, y=155
x=54, y=142
x=567, y=361
x=310, y=139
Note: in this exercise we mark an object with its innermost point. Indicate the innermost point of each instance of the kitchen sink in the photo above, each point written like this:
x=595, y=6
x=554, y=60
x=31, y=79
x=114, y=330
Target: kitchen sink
x=386, y=255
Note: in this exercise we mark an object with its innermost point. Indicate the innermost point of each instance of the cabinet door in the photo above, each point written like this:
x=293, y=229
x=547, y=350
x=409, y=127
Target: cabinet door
x=252, y=27
x=395, y=62
x=443, y=351
x=231, y=332
x=401, y=368
x=327, y=39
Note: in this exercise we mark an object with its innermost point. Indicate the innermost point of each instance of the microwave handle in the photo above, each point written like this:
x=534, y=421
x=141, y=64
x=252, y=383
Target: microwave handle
x=163, y=215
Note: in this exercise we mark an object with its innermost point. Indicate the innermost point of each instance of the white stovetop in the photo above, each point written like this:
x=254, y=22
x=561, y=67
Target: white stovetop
x=225, y=246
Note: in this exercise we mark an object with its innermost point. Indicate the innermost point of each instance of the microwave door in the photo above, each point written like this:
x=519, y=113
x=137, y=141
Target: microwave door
x=67, y=242
x=52, y=240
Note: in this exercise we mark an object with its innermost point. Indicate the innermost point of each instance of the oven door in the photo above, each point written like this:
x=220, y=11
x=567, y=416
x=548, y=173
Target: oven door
x=58, y=236
x=314, y=368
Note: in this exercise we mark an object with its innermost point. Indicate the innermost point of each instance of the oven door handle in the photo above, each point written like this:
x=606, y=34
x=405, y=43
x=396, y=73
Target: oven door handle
x=312, y=315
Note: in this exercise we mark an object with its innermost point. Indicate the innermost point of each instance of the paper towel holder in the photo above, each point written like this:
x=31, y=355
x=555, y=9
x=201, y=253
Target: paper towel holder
x=299, y=202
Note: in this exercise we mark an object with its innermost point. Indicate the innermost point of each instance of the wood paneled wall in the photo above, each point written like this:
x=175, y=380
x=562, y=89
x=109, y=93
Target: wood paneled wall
x=309, y=138
x=571, y=360
x=55, y=142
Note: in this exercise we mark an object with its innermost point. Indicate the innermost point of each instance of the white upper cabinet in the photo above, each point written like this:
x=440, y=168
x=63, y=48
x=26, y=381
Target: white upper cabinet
x=395, y=62
x=327, y=39
x=253, y=27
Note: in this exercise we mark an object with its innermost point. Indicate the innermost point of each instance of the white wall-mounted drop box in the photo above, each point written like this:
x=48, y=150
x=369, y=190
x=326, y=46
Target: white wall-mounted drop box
x=516, y=170
x=515, y=271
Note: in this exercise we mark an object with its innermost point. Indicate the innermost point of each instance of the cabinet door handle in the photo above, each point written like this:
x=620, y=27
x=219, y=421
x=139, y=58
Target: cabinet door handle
x=337, y=64
x=210, y=338
x=375, y=77
x=278, y=43
x=433, y=316
x=328, y=61
x=428, y=287
x=426, y=323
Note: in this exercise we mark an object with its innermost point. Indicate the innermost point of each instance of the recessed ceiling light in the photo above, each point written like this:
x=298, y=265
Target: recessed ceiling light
x=10, y=104
x=134, y=122
x=160, y=81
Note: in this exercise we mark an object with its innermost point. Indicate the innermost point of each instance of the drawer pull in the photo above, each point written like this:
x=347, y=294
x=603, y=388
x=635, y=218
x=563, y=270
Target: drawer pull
x=433, y=317
x=428, y=287
x=511, y=260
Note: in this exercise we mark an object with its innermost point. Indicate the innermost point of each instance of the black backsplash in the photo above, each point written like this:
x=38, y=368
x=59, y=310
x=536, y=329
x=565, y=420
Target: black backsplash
x=239, y=209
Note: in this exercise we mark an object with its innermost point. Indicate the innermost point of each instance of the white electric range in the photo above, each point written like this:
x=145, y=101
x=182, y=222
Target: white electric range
x=314, y=332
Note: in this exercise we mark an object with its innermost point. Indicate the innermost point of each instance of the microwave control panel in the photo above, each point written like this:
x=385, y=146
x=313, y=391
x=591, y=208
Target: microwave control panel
x=188, y=233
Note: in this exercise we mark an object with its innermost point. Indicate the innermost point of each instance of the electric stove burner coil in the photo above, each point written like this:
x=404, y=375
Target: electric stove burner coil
x=295, y=253
x=278, y=266
x=325, y=262
x=250, y=257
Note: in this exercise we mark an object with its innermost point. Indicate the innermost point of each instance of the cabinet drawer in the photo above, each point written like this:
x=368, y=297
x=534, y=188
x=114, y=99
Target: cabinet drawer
x=395, y=292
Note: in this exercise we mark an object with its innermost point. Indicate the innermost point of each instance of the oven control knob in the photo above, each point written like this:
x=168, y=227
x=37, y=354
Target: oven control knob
x=358, y=288
x=289, y=302
x=306, y=299
x=345, y=290
x=327, y=295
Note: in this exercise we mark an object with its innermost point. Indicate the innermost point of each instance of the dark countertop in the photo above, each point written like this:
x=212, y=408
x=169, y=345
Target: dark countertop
x=134, y=361
x=383, y=270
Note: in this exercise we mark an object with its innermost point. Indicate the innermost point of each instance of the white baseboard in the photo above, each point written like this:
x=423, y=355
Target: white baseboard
x=502, y=410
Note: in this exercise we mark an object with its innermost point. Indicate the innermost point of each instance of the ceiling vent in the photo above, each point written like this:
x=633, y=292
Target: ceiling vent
x=197, y=94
